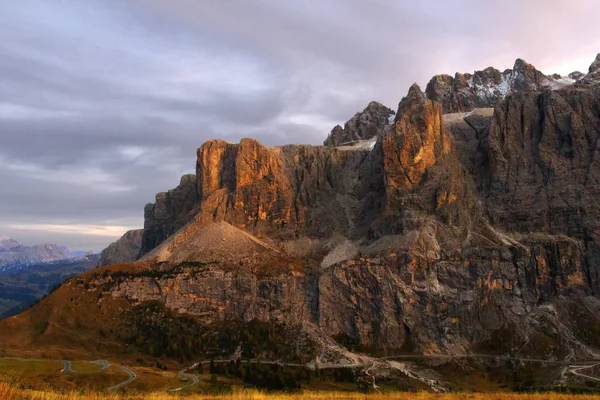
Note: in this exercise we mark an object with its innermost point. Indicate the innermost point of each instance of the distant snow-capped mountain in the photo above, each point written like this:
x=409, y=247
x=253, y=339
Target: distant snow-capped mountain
x=14, y=255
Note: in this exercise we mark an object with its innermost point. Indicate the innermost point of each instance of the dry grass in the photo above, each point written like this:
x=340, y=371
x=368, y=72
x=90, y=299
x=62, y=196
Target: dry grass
x=11, y=390
x=85, y=366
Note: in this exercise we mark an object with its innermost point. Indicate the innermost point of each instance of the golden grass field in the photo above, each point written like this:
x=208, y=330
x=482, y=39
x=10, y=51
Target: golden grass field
x=12, y=391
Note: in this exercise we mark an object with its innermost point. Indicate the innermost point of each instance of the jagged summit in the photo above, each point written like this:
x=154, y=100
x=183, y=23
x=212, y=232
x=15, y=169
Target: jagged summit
x=484, y=89
x=362, y=126
x=465, y=232
x=7, y=243
x=595, y=66
x=593, y=75
x=414, y=93
x=461, y=93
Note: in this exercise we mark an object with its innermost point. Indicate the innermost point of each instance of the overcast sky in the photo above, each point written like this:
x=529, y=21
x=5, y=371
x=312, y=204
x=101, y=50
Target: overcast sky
x=104, y=102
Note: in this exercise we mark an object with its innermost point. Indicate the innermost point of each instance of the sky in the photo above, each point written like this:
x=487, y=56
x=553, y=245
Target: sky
x=103, y=103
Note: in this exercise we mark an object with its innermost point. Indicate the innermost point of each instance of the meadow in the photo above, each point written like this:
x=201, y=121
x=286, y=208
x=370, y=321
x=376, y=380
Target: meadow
x=11, y=390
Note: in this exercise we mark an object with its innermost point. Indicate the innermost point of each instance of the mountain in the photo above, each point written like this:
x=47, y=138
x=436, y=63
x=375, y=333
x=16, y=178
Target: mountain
x=464, y=92
x=22, y=287
x=467, y=225
x=14, y=255
x=364, y=125
x=126, y=249
x=29, y=272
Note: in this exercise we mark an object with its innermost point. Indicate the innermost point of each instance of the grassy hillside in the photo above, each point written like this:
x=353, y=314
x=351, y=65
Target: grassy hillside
x=21, y=288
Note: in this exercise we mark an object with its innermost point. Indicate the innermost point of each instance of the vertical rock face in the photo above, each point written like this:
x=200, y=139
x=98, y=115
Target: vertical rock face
x=543, y=151
x=244, y=185
x=452, y=231
x=416, y=142
x=421, y=177
x=283, y=192
x=125, y=250
x=169, y=213
x=364, y=125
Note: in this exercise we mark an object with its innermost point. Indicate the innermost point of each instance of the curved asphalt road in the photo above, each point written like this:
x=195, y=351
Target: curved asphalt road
x=184, y=374
x=104, y=364
x=132, y=377
x=67, y=368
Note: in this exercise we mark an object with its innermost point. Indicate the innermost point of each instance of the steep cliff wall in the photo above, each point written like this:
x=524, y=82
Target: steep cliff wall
x=451, y=233
x=125, y=250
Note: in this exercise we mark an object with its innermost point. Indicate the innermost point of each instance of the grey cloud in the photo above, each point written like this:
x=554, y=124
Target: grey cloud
x=103, y=104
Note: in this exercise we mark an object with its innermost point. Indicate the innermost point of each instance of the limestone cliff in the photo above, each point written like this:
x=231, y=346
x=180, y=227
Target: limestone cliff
x=450, y=232
x=363, y=125
x=124, y=250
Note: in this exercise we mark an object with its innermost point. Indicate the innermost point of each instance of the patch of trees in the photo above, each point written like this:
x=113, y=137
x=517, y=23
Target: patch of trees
x=160, y=332
x=264, y=376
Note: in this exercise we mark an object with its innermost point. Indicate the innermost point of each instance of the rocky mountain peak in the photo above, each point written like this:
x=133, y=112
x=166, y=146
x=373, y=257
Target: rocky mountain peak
x=593, y=75
x=576, y=75
x=484, y=89
x=362, y=126
x=525, y=77
x=595, y=66
x=415, y=94
x=126, y=249
x=7, y=243
x=414, y=144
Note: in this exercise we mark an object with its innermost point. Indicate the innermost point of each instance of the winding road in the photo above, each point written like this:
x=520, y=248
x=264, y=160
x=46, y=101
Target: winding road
x=104, y=364
x=576, y=368
x=67, y=368
x=132, y=377
x=183, y=373
x=573, y=367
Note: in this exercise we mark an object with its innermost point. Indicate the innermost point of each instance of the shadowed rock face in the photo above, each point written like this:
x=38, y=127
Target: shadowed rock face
x=452, y=231
x=124, y=250
x=482, y=89
x=364, y=125
x=169, y=213
x=593, y=75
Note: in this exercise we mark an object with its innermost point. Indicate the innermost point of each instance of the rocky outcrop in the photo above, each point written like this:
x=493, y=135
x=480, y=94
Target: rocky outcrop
x=593, y=75
x=364, y=125
x=470, y=132
x=417, y=141
x=272, y=191
x=125, y=250
x=483, y=89
x=543, y=171
x=169, y=213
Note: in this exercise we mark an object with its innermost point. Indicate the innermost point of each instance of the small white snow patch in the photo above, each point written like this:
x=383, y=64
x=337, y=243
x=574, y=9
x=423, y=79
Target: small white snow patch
x=368, y=144
x=559, y=83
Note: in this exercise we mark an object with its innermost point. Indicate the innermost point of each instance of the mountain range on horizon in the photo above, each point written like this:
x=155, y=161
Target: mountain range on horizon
x=14, y=255
x=27, y=273
x=466, y=221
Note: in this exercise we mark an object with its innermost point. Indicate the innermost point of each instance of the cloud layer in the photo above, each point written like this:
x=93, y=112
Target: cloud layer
x=103, y=103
